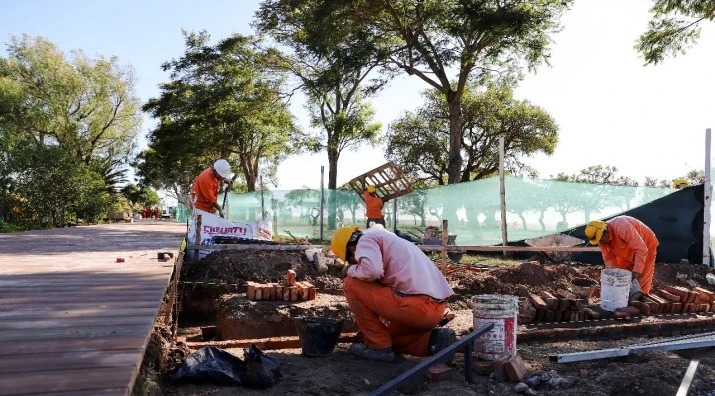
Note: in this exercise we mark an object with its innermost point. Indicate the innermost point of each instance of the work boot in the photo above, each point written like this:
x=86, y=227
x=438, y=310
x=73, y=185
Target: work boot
x=361, y=350
x=441, y=338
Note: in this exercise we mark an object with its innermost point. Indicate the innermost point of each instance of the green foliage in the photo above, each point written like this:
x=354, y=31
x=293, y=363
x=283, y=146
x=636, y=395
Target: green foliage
x=224, y=101
x=674, y=28
x=431, y=39
x=67, y=126
x=85, y=106
x=418, y=142
x=140, y=196
x=52, y=190
x=332, y=56
x=9, y=227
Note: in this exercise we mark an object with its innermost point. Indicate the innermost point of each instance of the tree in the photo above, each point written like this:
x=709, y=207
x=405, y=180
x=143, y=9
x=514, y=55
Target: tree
x=67, y=128
x=432, y=38
x=332, y=58
x=223, y=101
x=674, y=28
x=418, y=142
x=140, y=196
x=85, y=106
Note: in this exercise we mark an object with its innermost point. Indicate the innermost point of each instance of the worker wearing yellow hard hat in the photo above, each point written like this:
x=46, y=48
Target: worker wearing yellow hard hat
x=681, y=183
x=373, y=206
x=389, y=279
x=626, y=243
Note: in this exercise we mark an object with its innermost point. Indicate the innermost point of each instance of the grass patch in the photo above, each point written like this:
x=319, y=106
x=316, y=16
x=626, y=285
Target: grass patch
x=9, y=227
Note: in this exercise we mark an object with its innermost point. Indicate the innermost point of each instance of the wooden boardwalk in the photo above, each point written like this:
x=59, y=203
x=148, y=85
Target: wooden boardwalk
x=72, y=319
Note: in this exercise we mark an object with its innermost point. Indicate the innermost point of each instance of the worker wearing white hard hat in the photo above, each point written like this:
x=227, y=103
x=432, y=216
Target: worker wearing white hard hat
x=204, y=192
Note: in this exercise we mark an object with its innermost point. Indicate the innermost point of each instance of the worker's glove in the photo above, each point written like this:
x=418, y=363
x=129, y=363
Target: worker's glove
x=220, y=213
x=634, y=274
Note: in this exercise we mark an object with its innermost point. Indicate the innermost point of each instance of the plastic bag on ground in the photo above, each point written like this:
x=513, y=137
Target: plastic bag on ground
x=217, y=365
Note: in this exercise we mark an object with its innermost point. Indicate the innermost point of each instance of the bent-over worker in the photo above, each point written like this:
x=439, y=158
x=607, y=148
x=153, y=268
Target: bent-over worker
x=204, y=192
x=626, y=243
x=373, y=206
x=397, y=295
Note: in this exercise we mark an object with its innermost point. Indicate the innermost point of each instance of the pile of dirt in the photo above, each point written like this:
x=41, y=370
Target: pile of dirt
x=515, y=279
x=686, y=275
x=239, y=267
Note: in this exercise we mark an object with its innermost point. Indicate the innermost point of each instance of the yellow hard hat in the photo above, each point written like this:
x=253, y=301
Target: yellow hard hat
x=370, y=188
x=341, y=237
x=594, y=231
x=681, y=183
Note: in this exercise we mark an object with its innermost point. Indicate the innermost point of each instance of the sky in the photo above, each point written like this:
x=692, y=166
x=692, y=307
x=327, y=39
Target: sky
x=611, y=110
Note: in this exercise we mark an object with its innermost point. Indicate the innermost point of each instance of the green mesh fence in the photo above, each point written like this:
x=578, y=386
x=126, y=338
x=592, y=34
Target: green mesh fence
x=534, y=208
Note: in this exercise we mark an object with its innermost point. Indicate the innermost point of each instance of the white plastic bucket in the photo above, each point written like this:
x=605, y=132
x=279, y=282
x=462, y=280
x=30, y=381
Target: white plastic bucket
x=501, y=310
x=615, y=286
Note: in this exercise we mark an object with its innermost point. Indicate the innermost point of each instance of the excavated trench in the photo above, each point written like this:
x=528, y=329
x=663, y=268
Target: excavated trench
x=213, y=297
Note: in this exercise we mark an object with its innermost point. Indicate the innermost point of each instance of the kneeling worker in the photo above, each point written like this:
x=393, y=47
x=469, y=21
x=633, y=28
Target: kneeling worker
x=626, y=243
x=388, y=279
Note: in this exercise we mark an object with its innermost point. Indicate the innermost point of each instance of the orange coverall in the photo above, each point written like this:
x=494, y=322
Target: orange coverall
x=632, y=246
x=373, y=206
x=204, y=193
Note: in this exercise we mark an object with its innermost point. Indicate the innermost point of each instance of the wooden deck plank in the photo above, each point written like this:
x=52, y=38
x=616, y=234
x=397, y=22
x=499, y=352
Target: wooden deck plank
x=28, y=347
x=75, y=332
x=57, y=313
x=72, y=319
x=69, y=360
x=66, y=380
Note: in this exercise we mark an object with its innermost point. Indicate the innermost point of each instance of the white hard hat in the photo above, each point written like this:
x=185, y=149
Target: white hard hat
x=223, y=169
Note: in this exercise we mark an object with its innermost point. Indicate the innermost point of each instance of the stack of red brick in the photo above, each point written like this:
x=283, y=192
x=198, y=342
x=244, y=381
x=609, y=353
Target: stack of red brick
x=676, y=299
x=287, y=290
x=560, y=306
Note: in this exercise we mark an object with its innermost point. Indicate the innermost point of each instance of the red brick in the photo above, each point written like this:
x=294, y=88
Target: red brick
x=250, y=290
x=290, y=278
x=538, y=302
x=293, y=293
x=259, y=293
x=498, y=368
x=550, y=300
x=279, y=292
x=439, y=372
x=515, y=368
x=564, y=304
x=642, y=307
x=564, y=294
x=677, y=307
x=591, y=314
x=705, y=295
x=286, y=293
x=668, y=296
x=482, y=367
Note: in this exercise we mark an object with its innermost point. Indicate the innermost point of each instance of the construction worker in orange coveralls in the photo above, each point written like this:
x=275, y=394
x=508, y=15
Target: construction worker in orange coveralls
x=628, y=244
x=204, y=192
x=373, y=205
x=397, y=295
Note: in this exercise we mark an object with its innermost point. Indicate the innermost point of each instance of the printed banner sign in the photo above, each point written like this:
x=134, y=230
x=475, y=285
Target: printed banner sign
x=213, y=225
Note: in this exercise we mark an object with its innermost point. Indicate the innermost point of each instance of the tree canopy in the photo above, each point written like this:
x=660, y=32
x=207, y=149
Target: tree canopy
x=674, y=28
x=67, y=127
x=418, y=141
x=332, y=57
x=223, y=101
x=444, y=43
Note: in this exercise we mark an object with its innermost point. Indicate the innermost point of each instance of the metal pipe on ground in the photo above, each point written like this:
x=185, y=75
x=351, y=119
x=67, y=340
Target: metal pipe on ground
x=673, y=345
x=467, y=342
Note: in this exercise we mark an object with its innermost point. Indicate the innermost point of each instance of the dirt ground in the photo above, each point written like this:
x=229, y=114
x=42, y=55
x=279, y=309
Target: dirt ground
x=654, y=373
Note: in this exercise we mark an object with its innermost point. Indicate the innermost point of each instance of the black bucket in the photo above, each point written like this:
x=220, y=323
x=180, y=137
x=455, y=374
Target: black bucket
x=318, y=336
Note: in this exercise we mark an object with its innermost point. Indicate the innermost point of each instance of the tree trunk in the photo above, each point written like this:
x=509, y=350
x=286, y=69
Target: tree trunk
x=332, y=201
x=454, y=166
